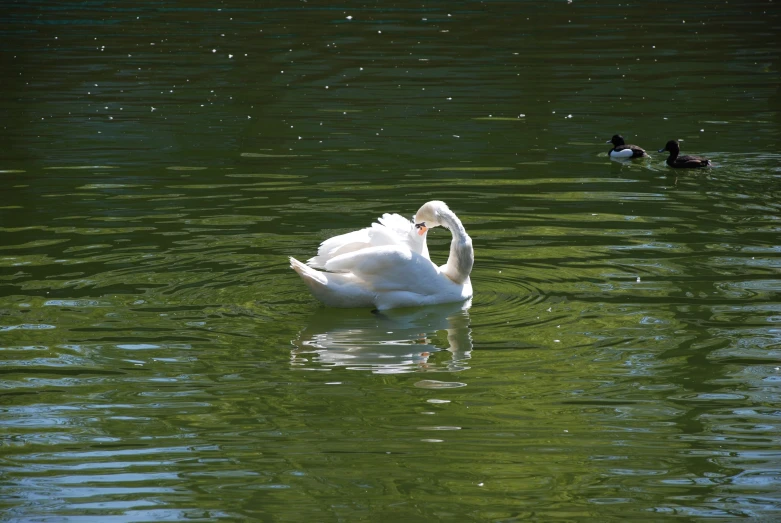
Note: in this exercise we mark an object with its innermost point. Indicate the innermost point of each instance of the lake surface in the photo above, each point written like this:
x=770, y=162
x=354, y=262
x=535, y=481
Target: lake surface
x=621, y=358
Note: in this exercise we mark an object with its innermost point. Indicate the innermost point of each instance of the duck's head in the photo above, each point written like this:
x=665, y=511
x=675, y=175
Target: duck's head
x=429, y=216
x=616, y=140
x=671, y=146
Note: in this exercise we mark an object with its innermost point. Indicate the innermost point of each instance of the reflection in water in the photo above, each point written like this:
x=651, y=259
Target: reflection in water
x=389, y=342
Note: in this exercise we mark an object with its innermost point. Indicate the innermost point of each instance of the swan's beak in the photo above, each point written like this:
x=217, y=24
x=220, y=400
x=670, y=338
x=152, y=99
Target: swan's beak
x=421, y=227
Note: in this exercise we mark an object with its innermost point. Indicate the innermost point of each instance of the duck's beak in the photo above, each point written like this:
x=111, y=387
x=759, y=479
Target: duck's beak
x=609, y=141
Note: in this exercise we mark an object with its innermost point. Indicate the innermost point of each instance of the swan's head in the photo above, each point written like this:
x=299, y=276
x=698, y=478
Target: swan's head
x=429, y=216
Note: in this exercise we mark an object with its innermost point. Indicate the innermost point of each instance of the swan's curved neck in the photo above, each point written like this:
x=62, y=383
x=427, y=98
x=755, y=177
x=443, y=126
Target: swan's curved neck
x=462, y=256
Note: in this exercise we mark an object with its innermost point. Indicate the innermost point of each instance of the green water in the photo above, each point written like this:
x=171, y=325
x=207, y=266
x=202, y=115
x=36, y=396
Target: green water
x=159, y=361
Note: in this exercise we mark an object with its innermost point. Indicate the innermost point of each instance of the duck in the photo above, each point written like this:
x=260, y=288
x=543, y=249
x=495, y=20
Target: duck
x=622, y=150
x=386, y=274
x=685, y=161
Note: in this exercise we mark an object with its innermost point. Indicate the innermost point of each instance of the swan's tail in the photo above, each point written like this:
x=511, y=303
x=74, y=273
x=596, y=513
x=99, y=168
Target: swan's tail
x=335, y=290
x=310, y=276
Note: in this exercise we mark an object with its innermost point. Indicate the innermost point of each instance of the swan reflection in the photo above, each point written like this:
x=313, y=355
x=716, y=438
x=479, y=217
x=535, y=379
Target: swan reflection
x=389, y=342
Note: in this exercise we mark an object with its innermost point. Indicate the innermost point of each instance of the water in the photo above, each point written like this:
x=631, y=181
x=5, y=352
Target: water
x=160, y=361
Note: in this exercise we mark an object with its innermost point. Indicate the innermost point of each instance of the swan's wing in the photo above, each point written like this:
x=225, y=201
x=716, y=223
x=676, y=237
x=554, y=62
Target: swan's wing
x=406, y=233
x=388, y=268
x=392, y=229
x=397, y=223
x=344, y=243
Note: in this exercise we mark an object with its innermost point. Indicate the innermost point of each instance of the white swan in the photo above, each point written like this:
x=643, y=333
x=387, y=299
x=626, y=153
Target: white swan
x=391, y=275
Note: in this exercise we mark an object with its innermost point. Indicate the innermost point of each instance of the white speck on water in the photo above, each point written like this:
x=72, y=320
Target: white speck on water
x=480, y=484
x=550, y=309
x=230, y=56
x=379, y=32
x=556, y=341
x=456, y=136
x=349, y=17
x=326, y=87
x=154, y=109
x=638, y=279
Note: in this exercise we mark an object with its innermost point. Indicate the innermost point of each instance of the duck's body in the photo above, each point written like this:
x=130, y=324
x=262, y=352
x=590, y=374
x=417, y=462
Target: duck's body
x=623, y=150
x=394, y=275
x=686, y=161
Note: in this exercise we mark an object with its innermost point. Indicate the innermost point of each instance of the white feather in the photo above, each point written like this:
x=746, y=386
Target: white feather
x=626, y=153
x=392, y=229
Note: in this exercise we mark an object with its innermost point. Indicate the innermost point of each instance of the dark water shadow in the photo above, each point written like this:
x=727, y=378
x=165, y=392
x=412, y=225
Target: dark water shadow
x=389, y=342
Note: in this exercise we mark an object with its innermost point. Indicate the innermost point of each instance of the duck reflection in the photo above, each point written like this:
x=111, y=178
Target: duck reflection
x=388, y=342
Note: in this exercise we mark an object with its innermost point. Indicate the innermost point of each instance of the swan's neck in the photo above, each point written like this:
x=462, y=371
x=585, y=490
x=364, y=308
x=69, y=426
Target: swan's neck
x=462, y=256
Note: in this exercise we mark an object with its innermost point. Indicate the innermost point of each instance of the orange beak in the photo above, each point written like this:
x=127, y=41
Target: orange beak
x=422, y=230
